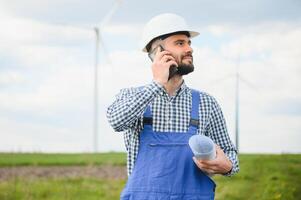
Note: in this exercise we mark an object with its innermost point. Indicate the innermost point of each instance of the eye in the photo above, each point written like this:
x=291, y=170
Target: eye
x=180, y=43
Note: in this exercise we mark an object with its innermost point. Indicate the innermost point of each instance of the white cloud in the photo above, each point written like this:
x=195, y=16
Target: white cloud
x=217, y=30
x=270, y=61
x=53, y=80
x=27, y=136
x=67, y=87
x=19, y=31
x=124, y=29
x=11, y=77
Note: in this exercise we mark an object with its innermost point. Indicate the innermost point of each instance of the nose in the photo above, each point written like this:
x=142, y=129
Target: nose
x=189, y=49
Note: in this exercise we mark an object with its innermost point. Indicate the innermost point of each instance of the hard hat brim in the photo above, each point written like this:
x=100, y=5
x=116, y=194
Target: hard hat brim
x=191, y=33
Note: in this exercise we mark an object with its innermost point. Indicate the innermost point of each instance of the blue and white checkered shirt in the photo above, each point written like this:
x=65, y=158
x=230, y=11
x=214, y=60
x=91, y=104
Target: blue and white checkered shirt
x=170, y=113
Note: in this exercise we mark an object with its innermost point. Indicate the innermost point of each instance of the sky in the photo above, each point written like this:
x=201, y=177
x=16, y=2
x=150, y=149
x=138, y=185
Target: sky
x=47, y=53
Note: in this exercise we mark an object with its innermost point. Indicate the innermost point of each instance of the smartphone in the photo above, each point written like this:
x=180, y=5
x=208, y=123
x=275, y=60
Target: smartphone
x=172, y=69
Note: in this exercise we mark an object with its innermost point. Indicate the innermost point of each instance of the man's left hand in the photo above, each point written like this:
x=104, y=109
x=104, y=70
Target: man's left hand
x=220, y=165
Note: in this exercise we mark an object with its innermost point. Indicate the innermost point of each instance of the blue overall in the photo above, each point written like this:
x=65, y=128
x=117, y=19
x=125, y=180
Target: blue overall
x=164, y=169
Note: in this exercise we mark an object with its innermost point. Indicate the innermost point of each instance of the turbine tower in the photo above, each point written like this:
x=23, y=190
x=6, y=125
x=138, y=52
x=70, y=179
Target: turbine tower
x=99, y=41
x=237, y=77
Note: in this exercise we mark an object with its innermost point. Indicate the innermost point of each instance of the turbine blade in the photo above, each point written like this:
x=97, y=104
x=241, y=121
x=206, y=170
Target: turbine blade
x=248, y=83
x=110, y=14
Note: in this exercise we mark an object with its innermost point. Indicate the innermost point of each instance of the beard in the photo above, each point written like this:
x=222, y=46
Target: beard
x=184, y=69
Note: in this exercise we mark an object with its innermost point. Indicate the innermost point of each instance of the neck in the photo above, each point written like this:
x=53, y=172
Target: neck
x=173, y=84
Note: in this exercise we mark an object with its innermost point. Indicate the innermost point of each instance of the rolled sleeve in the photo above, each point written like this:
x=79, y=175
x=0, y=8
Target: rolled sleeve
x=235, y=165
x=217, y=130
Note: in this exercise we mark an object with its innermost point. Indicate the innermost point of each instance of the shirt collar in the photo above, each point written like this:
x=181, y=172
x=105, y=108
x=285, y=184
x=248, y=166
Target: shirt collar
x=181, y=90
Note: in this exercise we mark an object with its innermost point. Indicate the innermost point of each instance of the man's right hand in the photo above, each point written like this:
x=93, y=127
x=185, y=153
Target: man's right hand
x=160, y=67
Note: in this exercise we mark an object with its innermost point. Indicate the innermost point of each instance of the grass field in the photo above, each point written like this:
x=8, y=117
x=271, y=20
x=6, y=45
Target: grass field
x=261, y=177
x=40, y=159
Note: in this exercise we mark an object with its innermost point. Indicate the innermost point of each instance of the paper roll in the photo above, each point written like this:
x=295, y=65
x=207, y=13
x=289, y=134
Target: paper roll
x=202, y=147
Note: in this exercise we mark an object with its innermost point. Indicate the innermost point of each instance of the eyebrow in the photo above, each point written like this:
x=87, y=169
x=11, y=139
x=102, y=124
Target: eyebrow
x=189, y=41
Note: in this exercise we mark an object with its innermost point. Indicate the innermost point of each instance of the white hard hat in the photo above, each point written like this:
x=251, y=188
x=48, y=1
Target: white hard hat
x=163, y=24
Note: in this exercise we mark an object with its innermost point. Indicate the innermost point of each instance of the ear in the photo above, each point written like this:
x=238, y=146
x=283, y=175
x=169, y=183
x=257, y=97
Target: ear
x=151, y=56
x=154, y=51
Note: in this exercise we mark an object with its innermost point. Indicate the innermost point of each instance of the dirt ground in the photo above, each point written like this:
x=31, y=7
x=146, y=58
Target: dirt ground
x=101, y=172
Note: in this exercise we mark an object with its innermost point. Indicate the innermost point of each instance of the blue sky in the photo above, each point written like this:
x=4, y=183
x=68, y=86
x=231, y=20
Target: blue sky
x=46, y=69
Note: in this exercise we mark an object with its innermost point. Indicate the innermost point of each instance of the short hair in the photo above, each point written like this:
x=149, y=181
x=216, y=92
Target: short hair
x=149, y=46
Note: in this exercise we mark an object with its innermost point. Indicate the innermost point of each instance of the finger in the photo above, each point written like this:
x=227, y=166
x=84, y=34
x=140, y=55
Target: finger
x=159, y=55
x=166, y=58
x=210, y=169
x=205, y=165
x=206, y=168
x=197, y=163
x=172, y=62
x=201, y=164
x=209, y=163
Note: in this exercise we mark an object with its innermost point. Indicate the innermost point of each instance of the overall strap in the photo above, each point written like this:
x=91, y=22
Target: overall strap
x=148, y=112
x=194, y=114
x=147, y=115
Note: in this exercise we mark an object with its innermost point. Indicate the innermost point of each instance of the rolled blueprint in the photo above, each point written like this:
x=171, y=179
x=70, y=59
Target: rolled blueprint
x=202, y=147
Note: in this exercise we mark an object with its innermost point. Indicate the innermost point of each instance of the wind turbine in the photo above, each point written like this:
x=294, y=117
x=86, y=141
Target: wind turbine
x=238, y=79
x=99, y=40
x=99, y=43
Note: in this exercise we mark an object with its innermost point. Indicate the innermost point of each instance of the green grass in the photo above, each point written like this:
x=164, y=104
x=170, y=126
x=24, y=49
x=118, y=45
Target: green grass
x=264, y=177
x=261, y=177
x=61, y=189
x=43, y=159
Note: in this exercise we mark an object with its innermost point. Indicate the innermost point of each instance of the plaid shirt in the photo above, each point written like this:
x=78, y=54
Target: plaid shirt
x=170, y=114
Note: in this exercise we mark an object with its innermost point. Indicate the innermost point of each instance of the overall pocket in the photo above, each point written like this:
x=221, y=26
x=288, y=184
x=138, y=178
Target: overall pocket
x=165, y=157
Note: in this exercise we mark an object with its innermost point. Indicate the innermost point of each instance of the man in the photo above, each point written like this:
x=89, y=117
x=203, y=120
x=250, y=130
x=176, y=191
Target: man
x=160, y=117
